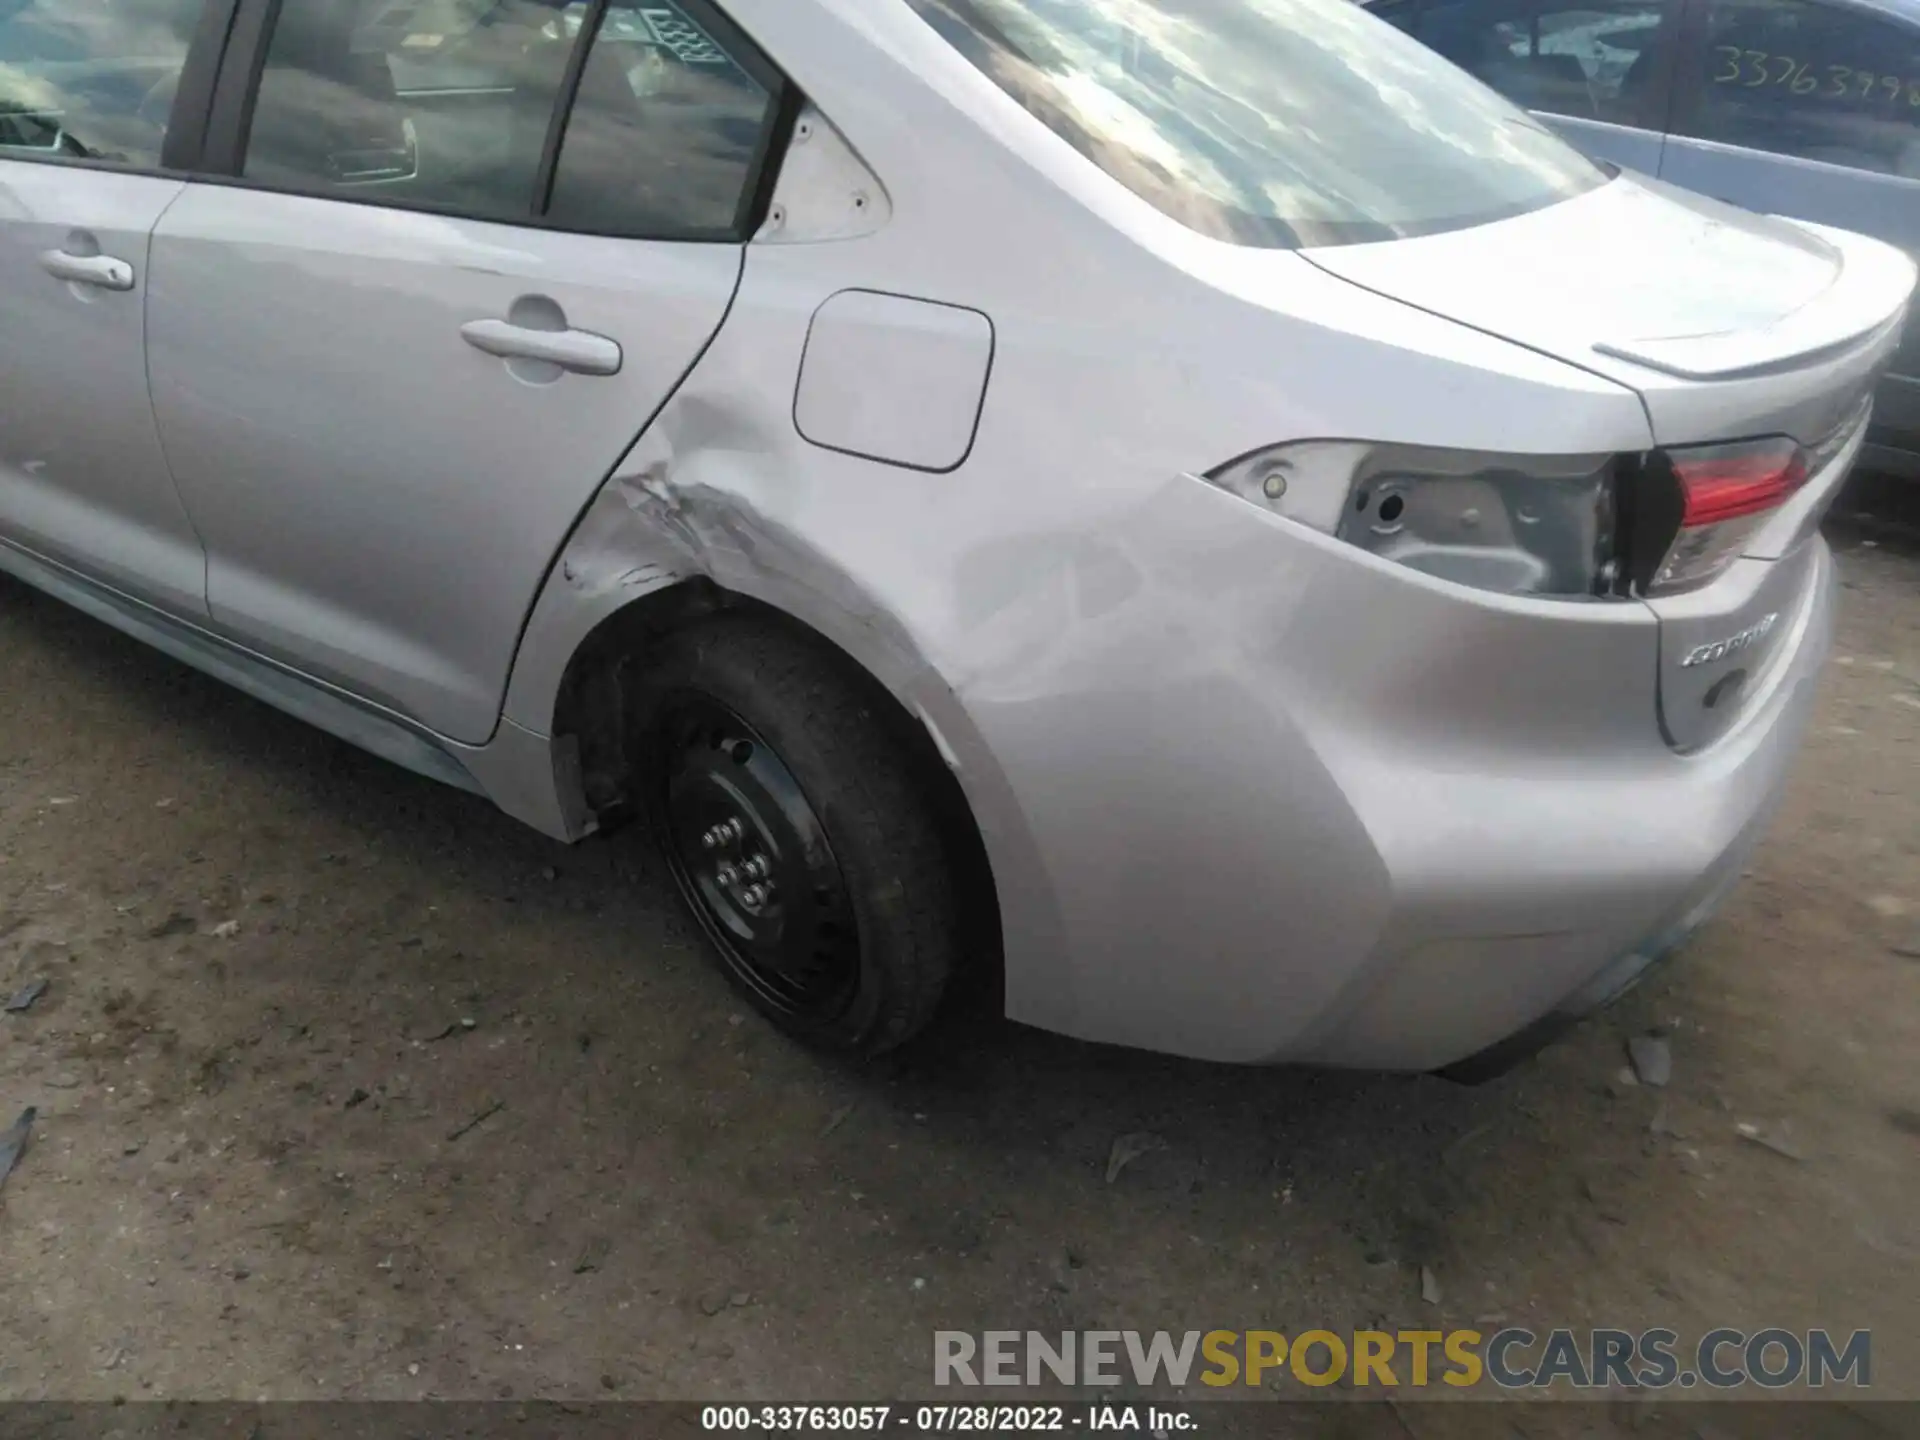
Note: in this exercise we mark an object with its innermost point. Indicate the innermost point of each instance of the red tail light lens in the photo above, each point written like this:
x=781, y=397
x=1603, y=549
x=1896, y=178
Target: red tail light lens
x=1726, y=493
x=1725, y=482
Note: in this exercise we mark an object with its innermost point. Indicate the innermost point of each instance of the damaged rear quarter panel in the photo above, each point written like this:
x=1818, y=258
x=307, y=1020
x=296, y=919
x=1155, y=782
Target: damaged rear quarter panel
x=1119, y=661
x=1060, y=613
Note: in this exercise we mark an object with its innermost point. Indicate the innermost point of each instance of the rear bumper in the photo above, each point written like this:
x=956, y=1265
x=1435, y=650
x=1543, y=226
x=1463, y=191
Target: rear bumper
x=1496, y=997
x=1290, y=803
x=1624, y=973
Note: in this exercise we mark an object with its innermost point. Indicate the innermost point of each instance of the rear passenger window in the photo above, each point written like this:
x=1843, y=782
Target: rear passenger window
x=449, y=105
x=1815, y=81
x=1590, y=59
x=91, y=79
x=331, y=114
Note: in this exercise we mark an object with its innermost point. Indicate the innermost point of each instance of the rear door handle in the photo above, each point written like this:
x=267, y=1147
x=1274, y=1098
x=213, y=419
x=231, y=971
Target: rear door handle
x=580, y=351
x=101, y=270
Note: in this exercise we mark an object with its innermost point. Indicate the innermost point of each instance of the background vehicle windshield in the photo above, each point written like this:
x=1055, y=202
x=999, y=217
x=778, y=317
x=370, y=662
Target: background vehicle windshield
x=1280, y=123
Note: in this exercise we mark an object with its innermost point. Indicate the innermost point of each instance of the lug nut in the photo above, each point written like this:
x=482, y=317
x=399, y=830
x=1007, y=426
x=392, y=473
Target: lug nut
x=757, y=867
x=727, y=873
x=711, y=839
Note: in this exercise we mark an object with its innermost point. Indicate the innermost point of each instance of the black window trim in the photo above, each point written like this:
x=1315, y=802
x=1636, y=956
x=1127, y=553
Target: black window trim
x=1690, y=83
x=564, y=101
x=193, y=101
x=1656, y=102
x=180, y=150
x=233, y=91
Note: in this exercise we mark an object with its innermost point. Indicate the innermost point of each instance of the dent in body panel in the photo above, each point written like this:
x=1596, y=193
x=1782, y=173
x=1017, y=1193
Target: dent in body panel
x=679, y=507
x=1161, y=706
x=1077, y=655
x=1071, y=606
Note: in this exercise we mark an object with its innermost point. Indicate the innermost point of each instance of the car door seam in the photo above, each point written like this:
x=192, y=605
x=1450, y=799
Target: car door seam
x=153, y=408
x=606, y=478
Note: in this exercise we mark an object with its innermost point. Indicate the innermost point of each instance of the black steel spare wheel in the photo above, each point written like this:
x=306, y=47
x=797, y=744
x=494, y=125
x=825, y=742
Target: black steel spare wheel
x=798, y=821
x=753, y=861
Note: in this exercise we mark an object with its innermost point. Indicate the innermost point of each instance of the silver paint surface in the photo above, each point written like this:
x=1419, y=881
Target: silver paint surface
x=82, y=474
x=894, y=379
x=1248, y=792
x=380, y=499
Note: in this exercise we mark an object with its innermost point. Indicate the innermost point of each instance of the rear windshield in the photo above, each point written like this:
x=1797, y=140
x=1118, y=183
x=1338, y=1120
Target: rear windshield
x=1278, y=123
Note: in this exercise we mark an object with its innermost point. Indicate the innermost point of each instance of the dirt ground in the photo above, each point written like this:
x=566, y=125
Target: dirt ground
x=350, y=1087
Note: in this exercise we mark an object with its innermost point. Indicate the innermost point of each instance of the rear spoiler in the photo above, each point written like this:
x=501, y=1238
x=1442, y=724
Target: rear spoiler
x=1867, y=299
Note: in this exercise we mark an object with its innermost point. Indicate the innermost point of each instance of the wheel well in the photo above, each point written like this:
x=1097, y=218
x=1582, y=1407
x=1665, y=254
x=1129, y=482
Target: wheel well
x=592, y=712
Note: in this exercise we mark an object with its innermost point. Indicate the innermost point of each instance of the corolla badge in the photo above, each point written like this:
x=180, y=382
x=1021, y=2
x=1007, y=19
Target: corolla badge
x=1733, y=644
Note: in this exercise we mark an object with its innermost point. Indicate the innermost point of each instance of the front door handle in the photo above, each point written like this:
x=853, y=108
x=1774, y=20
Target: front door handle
x=101, y=270
x=580, y=351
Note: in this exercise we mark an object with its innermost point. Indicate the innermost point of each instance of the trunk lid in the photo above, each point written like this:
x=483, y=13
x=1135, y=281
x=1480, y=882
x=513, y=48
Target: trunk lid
x=1729, y=326
x=1629, y=260
x=1726, y=323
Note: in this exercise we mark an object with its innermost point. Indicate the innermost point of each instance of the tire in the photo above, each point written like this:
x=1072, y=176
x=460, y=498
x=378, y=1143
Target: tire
x=756, y=748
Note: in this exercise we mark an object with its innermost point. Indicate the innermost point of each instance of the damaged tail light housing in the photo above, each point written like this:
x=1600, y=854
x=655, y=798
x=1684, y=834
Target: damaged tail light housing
x=1723, y=493
x=1517, y=524
x=1566, y=526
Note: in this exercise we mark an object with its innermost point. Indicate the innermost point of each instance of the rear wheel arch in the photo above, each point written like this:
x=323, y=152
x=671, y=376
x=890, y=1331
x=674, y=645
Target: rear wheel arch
x=593, y=718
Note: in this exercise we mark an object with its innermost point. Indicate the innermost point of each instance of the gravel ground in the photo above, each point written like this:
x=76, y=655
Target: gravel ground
x=350, y=1087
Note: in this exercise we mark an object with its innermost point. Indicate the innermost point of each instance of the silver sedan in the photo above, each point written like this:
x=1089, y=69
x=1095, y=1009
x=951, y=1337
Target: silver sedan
x=1195, y=508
